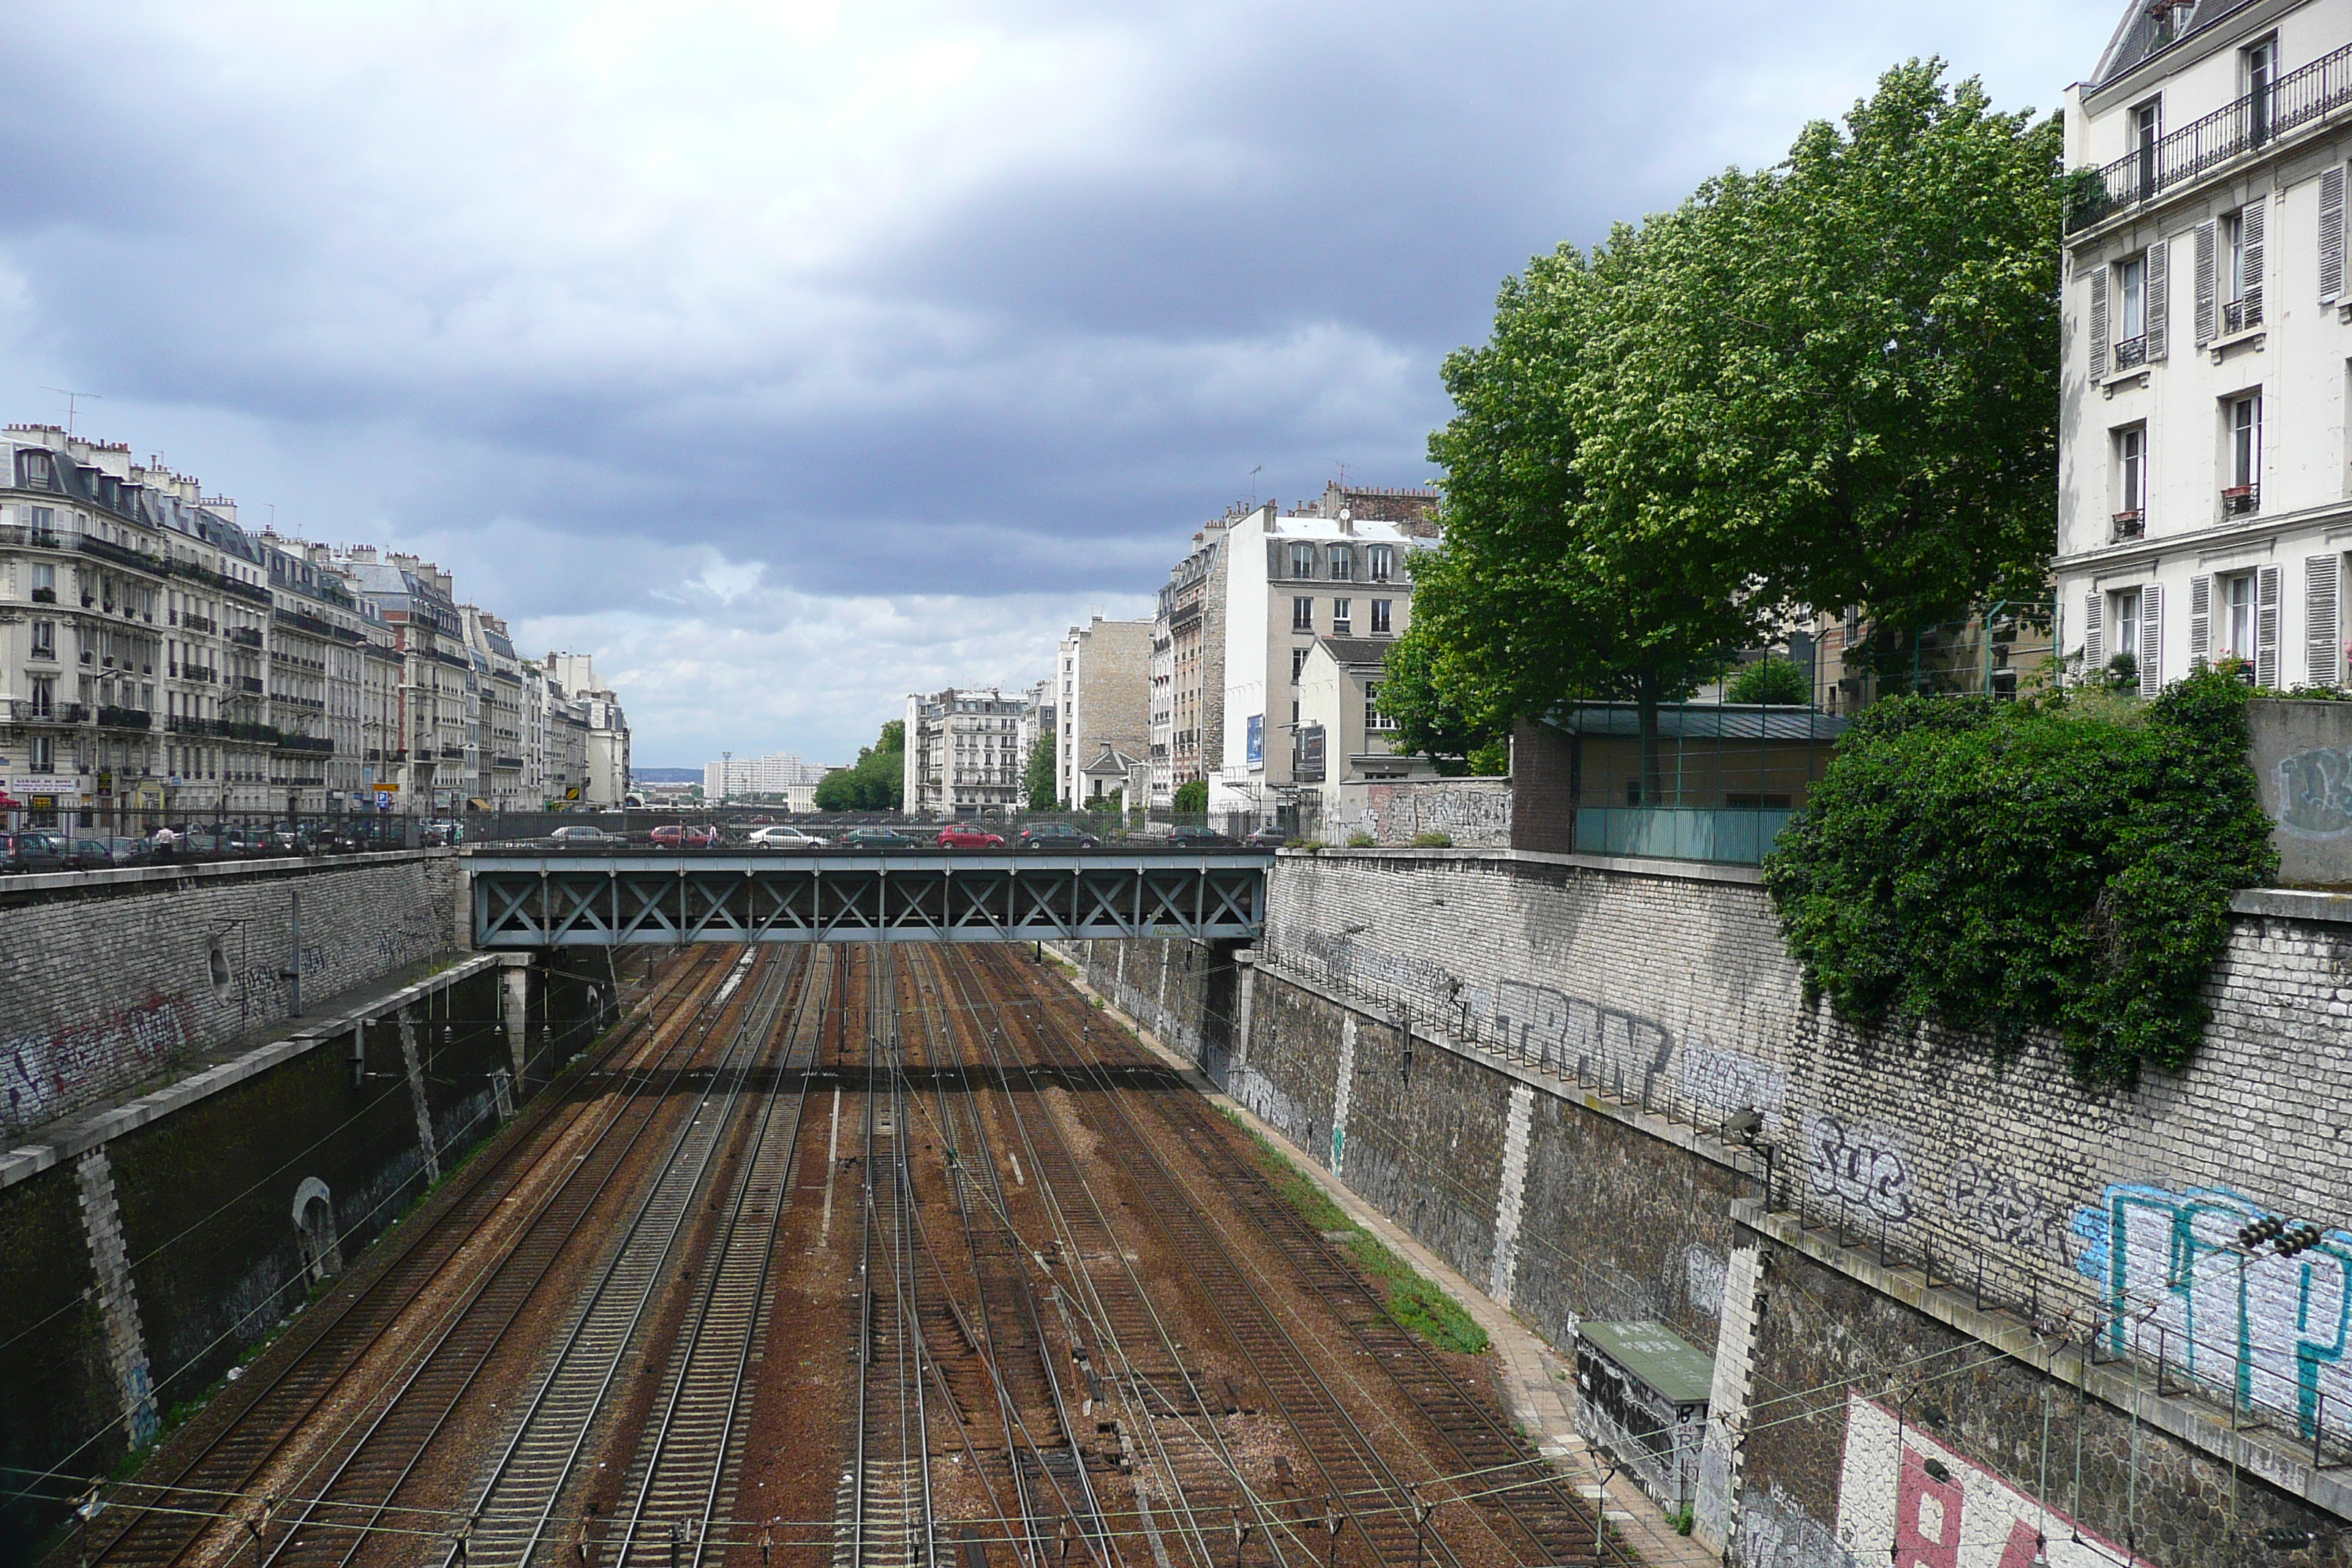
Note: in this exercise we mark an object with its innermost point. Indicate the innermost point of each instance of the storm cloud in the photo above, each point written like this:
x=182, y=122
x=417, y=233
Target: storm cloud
x=793, y=357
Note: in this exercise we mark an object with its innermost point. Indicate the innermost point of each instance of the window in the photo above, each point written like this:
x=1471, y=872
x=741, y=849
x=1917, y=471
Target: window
x=2126, y=618
x=2131, y=482
x=1381, y=616
x=1302, y=561
x=2147, y=123
x=36, y=470
x=2260, y=62
x=1340, y=564
x=45, y=696
x=41, y=754
x=1374, y=717
x=2238, y=614
x=1342, y=612
x=2132, y=297
x=2240, y=281
x=2243, y=464
x=1302, y=615
x=45, y=583
x=1297, y=663
x=45, y=639
x=1379, y=562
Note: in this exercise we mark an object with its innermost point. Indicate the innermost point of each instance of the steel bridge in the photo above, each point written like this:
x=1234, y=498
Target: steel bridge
x=547, y=898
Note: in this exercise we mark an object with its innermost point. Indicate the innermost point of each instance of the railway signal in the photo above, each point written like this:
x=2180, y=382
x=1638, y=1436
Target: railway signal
x=1332, y=1525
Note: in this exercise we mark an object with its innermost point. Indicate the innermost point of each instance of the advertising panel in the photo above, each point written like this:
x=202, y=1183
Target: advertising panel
x=1256, y=754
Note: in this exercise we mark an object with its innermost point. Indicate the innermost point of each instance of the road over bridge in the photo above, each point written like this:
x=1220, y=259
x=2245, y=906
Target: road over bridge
x=539, y=897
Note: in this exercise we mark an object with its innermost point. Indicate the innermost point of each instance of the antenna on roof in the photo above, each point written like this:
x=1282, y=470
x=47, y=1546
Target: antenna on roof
x=1254, y=474
x=73, y=400
x=1343, y=472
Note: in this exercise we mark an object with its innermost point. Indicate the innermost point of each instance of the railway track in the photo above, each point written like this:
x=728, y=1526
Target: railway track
x=682, y=1479
x=210, y=1476
x=884, y=1517
x=1539, y=1523
x=512, y=1509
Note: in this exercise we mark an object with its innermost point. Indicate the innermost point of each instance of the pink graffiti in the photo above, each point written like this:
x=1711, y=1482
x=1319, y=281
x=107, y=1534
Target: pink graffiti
x=45, y=1073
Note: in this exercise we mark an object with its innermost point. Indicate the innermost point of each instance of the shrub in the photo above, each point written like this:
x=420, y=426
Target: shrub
x=1776, y=681
x=1192, y=797
x=2062, y=863
x=1432, y=840
x=1362, y=841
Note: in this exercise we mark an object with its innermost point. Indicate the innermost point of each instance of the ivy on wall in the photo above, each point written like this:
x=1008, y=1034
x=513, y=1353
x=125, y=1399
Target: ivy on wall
x=2062, y=862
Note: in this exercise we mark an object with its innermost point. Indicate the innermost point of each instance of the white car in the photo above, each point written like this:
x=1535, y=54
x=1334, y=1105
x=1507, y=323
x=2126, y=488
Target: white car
x=581, y=832
x=785, y=839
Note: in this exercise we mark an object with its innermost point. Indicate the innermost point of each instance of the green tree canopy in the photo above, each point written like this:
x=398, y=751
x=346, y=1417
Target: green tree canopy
x=1192, y=797
x=876, y=782
x=1038, y=780
x=1829, y=384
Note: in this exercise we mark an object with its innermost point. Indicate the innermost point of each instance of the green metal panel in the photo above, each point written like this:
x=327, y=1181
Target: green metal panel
x=1655, y=1355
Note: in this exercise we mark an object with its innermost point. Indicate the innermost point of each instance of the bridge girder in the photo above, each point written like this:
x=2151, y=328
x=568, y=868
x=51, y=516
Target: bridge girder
x=522, y=901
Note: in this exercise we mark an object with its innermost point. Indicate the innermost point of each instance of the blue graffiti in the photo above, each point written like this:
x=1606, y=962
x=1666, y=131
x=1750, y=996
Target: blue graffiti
x=2272, y=1329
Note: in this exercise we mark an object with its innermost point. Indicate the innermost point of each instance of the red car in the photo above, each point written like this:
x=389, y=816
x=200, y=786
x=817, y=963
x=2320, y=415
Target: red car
x=671, y=835
x=963, y=836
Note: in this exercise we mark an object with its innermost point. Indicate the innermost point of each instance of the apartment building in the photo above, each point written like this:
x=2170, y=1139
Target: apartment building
x=1343, y=738
x=963, y=755
x=498, y=671
x=1104, y=668
x=2205, y=491
x=778, y=777
x=1188, y=665
x=1338, y=567
x=607, y=782
x=433, y=764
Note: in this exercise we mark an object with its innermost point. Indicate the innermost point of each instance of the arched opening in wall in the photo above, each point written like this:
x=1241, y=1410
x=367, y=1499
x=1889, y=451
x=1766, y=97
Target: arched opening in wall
x=216, y=963
x=314, y=1231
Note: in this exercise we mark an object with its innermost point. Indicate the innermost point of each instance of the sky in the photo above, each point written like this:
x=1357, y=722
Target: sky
x=791, y=357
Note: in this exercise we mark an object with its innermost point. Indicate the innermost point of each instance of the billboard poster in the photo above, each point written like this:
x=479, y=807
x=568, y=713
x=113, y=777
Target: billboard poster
x=1257, y=754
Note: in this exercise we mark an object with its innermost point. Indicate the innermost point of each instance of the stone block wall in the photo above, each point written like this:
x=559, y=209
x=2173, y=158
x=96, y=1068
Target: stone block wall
x=1583, y=1029
x=100, y=989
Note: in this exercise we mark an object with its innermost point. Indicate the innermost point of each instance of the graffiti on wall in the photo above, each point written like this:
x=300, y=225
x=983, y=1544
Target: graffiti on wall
x=2315, y=792
x=1907, y=1499
x=1862, y=1167
x=2175, y=1284
x=45, y=1071
x=1995, y=1204
x=1474, y=816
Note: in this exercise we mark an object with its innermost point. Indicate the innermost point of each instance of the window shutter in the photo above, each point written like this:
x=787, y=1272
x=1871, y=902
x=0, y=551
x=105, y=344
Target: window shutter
x=2151, y=640
x=2252, y=234
x=2099, y=322
x=2204, y=283
x=2266, y=626
x=2092, y=655
x=2320, y=619
x=2158, y=284
x=2200, y=622
x=2331, y=234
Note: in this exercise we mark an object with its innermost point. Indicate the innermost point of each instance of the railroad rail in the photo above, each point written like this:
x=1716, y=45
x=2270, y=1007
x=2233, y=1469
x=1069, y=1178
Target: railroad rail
x=206, y=1478
x=681, y=1479
x=512, y=1507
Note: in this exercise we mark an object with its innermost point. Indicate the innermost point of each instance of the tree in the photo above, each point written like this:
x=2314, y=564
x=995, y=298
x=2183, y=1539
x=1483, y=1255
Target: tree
x=1774, y=681
x=876, y=782
x=1827, y=383
x=1192, y=797
x=1431, y=718
x=1038, y=780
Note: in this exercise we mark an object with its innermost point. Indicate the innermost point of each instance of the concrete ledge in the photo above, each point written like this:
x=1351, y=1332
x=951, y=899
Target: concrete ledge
x=1621, y=864
x=2294, y=904
x=87, y=1131
x=142, y=878
x=2124, y=1385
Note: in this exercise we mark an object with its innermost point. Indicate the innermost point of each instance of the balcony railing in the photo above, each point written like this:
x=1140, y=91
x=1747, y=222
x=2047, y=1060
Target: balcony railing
x=106, y=549
x=2238, y=315
x=249, y=684
x=323, y=744
x=244, y=636
x=113, y=717
x=2130, y=525
x=2131, y=354
x=2239, y=500
x=44, y=596
x=32, y=710
x=2252, y=122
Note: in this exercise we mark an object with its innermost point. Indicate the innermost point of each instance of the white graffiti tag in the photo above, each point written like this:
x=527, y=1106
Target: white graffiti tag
x=1863, y=1168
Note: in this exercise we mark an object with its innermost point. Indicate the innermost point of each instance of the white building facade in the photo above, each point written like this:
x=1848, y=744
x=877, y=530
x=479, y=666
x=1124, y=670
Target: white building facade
x=962, y=755
x=2205, y=499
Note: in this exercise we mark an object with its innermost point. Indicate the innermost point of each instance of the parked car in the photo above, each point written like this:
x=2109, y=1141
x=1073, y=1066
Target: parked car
x=130, y=851
x=877, y=839
x=964, y=835
x=1267, y=837
x=1057, y=836
x=32, y=852
x=89, y=855
x=1201, y=839
x=786, y=838
x=679, y=836
x=444, y=833
x=581, y=832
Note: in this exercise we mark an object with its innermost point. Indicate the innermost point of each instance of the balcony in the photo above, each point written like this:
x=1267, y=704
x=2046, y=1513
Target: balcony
x=2129, y=525
x=244, y=636
x=2238, y=315
x=2241, y=500
x=104, y=549
x=249, y=684
x=2252, y=122
x=44, y=596
x=322, y=744
x=34, y=710
x=113, y=717
x=2131, y=354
